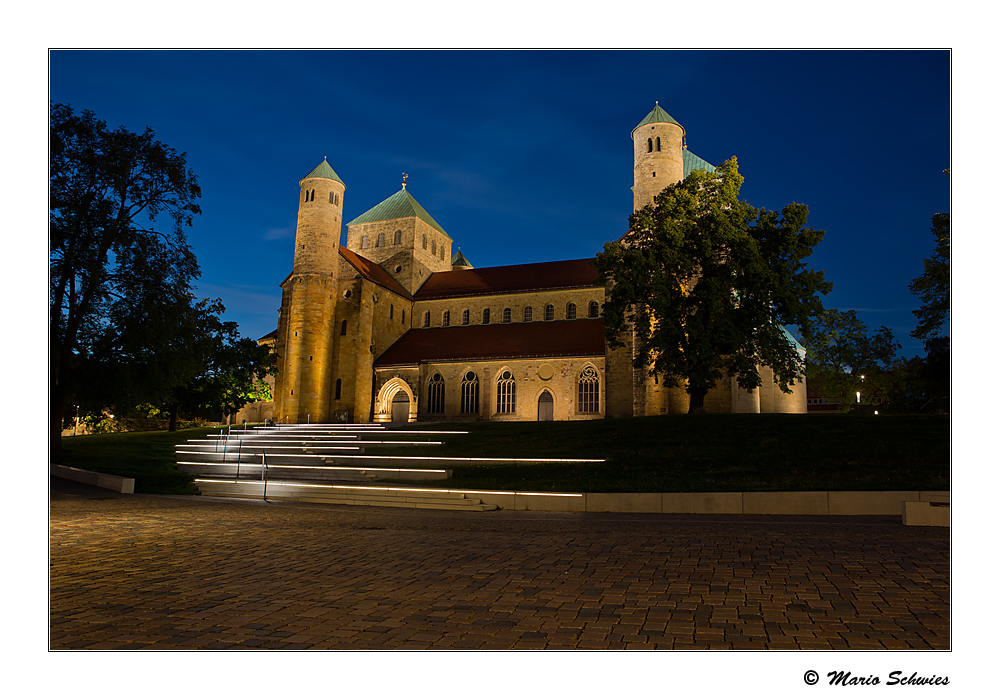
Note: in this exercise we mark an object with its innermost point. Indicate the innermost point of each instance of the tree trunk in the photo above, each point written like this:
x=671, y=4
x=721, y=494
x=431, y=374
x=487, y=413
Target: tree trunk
x=697, y=404
x=172, y=426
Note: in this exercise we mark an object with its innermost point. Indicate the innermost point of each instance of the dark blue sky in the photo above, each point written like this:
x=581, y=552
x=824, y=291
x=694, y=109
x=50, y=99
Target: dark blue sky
x=526, y=156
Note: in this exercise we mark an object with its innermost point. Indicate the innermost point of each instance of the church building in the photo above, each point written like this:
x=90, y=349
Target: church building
x=397, y=325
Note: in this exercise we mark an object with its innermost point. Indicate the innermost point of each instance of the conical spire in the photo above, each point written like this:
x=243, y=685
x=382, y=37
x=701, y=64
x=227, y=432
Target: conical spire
x=324, y=170
x=657, y=115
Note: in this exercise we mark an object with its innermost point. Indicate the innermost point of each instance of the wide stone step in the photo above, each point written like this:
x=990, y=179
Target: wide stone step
x=316, y=493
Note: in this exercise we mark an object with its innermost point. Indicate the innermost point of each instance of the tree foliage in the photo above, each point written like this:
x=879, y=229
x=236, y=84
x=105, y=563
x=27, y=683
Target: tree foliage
x=843, y=357
x=125, y=327
x=933, y=286
x=703, y=283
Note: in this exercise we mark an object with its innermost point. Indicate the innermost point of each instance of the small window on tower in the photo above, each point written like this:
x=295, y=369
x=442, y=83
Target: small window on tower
x=390, y=311
x=425, y=241
x=343, y=327
x=364, y=242
x=331, y=198
x=657, y=144
x=312, y=196
x=434, y=247
x=397, y=237
x=381, y=239
x=649, y=145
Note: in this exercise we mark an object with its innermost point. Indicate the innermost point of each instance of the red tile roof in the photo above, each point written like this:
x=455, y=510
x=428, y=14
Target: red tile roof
x=375, y=272
x=583, y=337
x=562, y=274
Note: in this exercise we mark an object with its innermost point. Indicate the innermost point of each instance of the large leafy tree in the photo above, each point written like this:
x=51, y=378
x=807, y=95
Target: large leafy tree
x=844, y=358
x=108, y=190
x=702, y=283
x=933, y=286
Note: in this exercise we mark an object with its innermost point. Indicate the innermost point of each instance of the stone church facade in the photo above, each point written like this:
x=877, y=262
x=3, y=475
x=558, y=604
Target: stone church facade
x=397, y=325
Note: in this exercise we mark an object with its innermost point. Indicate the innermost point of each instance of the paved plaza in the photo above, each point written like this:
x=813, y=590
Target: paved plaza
x=162, y=572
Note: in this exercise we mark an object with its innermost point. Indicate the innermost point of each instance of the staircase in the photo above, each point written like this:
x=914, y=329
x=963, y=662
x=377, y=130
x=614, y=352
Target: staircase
x=323, y=463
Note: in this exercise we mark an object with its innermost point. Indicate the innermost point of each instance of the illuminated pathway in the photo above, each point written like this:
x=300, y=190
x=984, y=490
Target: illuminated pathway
x=161, y=572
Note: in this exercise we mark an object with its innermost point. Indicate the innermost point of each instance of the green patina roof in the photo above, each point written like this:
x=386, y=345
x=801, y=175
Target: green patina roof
x=693, y=162
x=796, y=344
x=399, y=206
x=324, y=170
x=461, y=260
x=656, y=116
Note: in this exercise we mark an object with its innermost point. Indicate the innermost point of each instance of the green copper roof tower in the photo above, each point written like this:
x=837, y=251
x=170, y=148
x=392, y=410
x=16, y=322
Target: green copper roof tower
x=324, y=170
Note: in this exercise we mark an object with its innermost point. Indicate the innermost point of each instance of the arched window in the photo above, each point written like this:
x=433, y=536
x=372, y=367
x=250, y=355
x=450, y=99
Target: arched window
x=435, y=395
x=446, y=318
x=390, y=311
x=527, y=314
x=588, y=400
x=331, y=198
x=397, y=237
x=305, y=198
x=550, y=312
x=571, y=311
x=649, y=145
x=441, y=252
x=381, y=239
x=657, y=144
x=465, y=317
x=425, y=241
x=312, y=196
x=336, y=199
x=343, y=327
x=486, y=317
x=427, y=319
x=470, y=393
x=434, y=247
x=506, y=315
x=595, y=309
x=336, y=394
x=364, y=242
x=506, y=392
x=402, y=316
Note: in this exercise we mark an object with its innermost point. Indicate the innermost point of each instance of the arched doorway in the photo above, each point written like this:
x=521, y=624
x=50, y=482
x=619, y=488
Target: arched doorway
x=545, y=406
x=400, y=407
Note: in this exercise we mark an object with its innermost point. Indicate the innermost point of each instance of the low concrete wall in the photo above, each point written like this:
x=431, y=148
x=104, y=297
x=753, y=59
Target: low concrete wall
x=111, y=482
x=735, y=503
x=927, y=514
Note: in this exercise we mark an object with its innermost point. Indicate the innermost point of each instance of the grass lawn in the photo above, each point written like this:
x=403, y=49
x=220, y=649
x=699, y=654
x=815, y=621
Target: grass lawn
x=147, y=457
x=656, y=454
x=712, y=453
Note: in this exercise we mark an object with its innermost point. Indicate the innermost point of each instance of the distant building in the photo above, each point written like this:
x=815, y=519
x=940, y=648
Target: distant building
x=397, y=325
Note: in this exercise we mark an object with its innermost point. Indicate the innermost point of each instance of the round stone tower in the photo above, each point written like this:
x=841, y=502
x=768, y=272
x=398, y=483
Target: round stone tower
x=658, y=144
x=308, y=300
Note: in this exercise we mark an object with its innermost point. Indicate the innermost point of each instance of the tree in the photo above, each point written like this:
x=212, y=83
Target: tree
x=703, y=282
x=104, y=186
x=845, y=358
x=933, y=287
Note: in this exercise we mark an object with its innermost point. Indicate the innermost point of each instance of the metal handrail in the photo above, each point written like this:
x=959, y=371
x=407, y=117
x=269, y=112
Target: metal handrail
x=263, y=471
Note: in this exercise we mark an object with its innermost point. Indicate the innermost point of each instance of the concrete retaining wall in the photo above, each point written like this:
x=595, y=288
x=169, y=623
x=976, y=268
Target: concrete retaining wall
x=737, y=503
x=111, y=482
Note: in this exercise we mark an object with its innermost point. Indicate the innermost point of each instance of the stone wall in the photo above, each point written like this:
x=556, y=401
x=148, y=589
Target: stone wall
x=558, y=376
x=421, y=251
x=558, y=298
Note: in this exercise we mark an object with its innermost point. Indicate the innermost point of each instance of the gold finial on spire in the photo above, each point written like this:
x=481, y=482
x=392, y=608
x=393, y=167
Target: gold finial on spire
x=404, y=180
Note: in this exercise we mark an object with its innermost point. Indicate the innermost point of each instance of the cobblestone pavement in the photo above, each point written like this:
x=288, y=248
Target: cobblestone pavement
x=159, y=572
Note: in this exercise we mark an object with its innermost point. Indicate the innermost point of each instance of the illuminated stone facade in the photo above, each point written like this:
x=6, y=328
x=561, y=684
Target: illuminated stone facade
x=396, y=326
